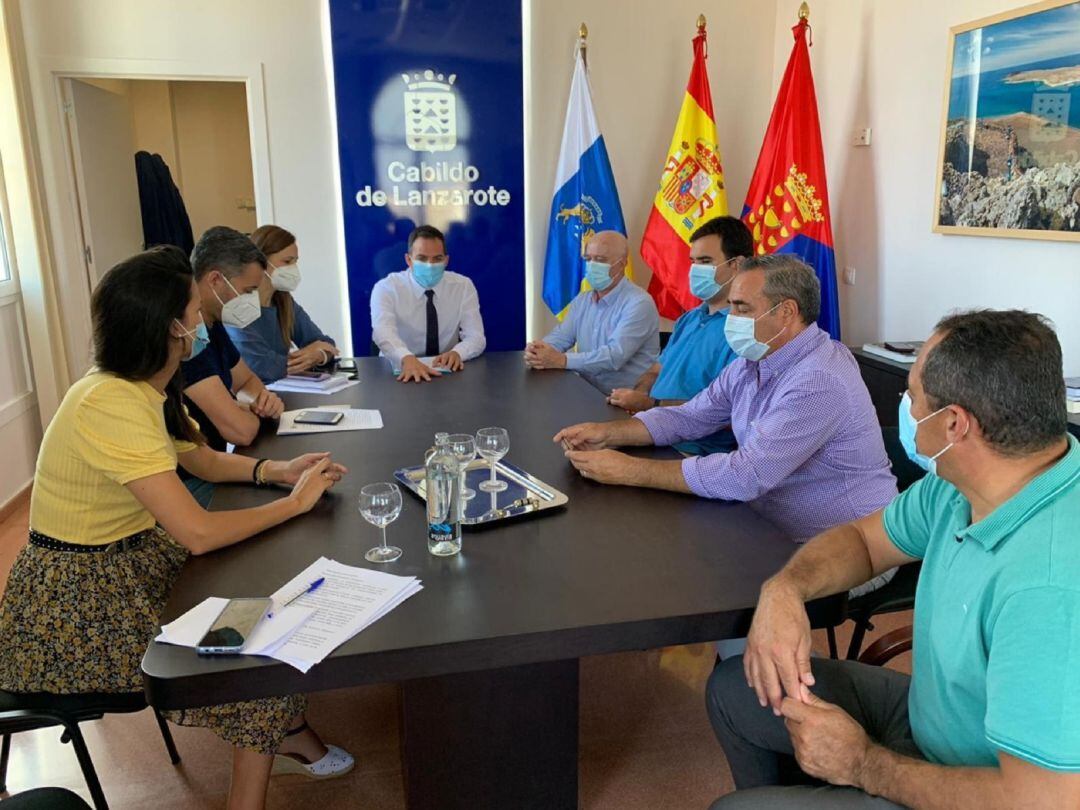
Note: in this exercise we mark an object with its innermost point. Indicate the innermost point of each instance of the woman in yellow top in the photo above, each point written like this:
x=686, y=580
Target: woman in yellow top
x=111, y=524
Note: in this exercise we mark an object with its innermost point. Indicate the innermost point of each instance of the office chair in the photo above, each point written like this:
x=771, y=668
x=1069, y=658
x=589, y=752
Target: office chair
x=30, y=711
x=899, y=593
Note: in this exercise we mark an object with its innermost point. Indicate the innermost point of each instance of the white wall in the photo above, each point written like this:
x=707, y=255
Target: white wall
x=883, y=65
x=639, y=60
x=281, y=40
x=20, y=428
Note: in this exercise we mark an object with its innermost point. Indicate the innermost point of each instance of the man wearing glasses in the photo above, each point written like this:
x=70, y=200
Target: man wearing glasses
x=425, y=319
x=613, y=325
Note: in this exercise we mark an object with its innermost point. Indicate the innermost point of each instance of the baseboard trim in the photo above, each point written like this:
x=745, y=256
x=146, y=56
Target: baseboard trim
x=16, y=501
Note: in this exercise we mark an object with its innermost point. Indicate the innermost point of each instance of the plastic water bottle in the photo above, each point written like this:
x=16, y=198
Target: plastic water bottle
x=442, y=483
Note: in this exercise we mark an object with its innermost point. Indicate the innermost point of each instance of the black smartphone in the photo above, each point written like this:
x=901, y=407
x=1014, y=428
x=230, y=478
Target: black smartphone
x=903, y=347
x=233, y=626
x=319, y=417
x=346, y=364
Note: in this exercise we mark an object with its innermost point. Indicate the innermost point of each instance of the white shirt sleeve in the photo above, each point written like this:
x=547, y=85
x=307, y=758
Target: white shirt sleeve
x=472, y=341
x=384, y=323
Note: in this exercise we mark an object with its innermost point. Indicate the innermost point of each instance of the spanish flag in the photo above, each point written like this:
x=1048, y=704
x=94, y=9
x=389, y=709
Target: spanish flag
x=787, y=204
x=691, y=192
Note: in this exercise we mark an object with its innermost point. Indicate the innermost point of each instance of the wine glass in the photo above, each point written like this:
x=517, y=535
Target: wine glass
x=463, y=446
x=380, y=504
x=492, y=443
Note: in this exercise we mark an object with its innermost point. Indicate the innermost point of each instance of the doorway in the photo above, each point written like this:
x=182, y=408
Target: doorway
x=201, y=132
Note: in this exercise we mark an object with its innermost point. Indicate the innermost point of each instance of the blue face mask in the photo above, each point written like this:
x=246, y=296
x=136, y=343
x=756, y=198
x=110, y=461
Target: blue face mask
x=598, y=274
x=200, y=339
x=739, y=331
x=703, y=283
x=427, y=274
x=909, y=426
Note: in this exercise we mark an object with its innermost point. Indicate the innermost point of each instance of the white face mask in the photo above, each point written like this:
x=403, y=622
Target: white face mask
x=285, y=278
x=241, y=311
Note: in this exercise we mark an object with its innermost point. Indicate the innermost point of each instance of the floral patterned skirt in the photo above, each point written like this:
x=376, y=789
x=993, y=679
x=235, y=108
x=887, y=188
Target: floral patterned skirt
x=75, y=622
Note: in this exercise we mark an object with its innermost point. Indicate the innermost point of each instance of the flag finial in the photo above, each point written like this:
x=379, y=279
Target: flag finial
x=700, y=22
x=583, y=32
x=804, y=11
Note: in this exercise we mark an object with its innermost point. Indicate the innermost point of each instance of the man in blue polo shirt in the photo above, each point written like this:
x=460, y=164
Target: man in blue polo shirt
x=990, y=716
x=697, y=351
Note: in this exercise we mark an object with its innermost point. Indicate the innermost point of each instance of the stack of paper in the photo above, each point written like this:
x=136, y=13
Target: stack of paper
x=881, y=351
x=354, y=419
x=350, y=600
x=317, y=623
x=300, y=385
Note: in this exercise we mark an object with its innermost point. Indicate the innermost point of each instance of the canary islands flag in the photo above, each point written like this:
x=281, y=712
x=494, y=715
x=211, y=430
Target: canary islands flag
x=585, y=199
x=691, y=192
x=787, y=204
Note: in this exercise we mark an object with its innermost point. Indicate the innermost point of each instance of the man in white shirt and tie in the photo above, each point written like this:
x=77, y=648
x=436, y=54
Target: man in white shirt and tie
x=425, y=311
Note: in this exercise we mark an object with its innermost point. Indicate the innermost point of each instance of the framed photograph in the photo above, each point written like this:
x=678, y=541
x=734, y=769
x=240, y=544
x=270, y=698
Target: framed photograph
x=1009, y=160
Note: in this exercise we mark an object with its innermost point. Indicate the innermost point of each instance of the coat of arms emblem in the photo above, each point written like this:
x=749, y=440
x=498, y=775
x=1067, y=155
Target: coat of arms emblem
x=430, y=112
x=691, y=179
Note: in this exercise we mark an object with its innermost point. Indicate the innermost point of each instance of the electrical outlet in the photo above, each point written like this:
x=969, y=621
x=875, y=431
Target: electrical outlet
x=849, y=276
x=862, y=137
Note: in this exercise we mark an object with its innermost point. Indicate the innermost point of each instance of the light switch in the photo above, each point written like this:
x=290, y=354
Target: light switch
x=862, y=137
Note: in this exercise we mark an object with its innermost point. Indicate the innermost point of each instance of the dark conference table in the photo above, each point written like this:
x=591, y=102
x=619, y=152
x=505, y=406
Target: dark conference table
x=487, y=654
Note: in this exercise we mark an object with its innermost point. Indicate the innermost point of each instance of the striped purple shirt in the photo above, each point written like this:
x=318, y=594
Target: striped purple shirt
x=810, y=451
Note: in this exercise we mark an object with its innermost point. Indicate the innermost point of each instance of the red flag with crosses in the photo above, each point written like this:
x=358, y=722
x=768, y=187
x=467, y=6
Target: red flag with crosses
x=787, y=204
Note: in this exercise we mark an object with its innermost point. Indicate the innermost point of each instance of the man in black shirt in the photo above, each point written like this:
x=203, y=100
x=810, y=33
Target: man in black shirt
x=222, y=393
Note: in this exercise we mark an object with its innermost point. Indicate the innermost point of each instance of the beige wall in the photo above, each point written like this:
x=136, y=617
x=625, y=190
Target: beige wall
x=213, y=145
x=153, y=123
x=639, y=60
x=201, y=131
x=882, y=65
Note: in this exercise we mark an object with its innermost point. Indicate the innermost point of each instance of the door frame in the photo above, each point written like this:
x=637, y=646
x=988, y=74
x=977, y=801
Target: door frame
x=56, y=140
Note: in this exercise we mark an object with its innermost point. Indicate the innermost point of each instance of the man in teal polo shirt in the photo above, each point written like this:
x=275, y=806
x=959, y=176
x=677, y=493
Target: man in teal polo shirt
x=990, y=717
x=697, y=351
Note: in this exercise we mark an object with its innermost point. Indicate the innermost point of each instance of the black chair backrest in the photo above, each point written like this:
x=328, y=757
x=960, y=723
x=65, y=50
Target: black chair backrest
x=50, y=798
x=664, y=338
x=907, y=472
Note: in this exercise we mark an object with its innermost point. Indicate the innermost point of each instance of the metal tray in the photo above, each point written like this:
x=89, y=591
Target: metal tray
x=523, y=495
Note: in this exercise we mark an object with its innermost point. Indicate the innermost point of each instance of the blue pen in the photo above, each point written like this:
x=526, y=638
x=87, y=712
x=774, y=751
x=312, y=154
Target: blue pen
x=309, y=589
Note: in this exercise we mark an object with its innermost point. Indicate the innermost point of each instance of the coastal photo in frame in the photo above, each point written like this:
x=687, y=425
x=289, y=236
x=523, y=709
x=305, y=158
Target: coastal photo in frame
x=1009, y=161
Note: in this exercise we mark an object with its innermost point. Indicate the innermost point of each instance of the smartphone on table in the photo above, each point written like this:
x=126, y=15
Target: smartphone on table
x=319, y=417
x=233, y=627
x=317, y=376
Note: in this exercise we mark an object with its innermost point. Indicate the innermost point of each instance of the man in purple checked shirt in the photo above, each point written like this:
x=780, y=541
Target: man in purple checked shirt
x=810, y=452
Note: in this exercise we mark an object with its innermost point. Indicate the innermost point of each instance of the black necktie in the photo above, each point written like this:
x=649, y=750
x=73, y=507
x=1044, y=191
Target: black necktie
x=431, y=345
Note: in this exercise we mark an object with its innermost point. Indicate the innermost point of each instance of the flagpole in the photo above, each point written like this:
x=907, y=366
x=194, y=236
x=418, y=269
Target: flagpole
x=583, y=35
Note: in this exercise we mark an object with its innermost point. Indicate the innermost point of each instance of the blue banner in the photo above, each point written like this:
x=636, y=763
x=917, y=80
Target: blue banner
x=430, y=131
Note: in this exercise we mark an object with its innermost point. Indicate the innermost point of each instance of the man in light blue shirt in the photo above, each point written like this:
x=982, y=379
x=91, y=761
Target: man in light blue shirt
x=990, y=716
x=614, y=327
x=698, y=349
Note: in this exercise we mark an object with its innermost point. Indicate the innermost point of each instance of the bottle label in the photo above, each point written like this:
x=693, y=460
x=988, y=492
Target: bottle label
x=440, y=532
